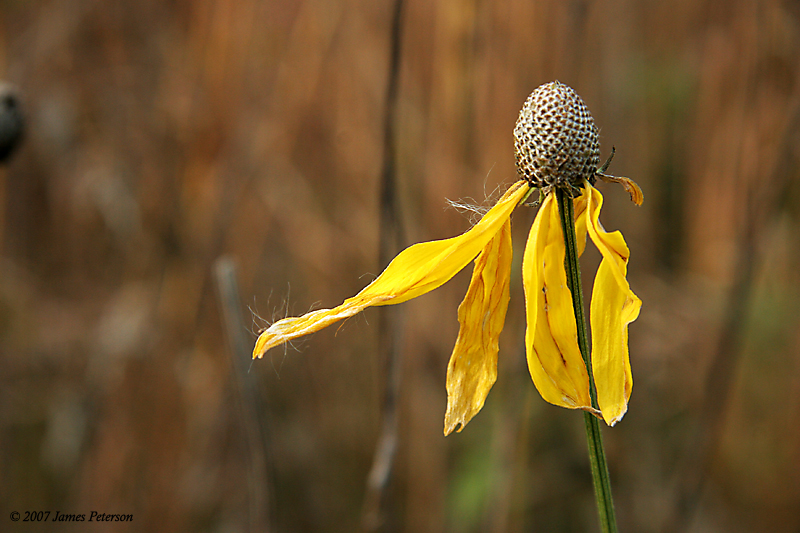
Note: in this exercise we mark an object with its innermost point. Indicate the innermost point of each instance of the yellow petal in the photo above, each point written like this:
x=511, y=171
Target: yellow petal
x=613, y=307
x=415, y=271
x=551, y=339
x=580, y=203
x=473, y=365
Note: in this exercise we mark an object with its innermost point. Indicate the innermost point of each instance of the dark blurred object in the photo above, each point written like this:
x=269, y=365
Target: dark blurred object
x=11, y=123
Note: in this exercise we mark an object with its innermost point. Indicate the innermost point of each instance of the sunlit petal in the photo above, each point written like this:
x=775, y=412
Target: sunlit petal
x=473, y=365
x=415, y=271
x=613, y=307
x=551, y=339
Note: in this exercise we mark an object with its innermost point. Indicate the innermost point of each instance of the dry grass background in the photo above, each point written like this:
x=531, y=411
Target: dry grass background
x=164, y=135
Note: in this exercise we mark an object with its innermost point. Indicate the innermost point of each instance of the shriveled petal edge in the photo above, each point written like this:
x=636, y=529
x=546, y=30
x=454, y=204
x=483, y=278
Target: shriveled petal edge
x=472, y=369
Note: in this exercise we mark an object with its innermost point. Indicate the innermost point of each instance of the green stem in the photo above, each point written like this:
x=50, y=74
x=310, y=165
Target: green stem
x=597, y=454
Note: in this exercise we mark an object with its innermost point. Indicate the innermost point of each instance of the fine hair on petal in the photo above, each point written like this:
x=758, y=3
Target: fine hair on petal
x=473, y=210
x=281, y=311
x=260, y=324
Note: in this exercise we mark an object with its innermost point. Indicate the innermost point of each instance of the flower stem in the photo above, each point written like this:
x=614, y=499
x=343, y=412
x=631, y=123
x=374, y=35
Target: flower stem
x=597, y=454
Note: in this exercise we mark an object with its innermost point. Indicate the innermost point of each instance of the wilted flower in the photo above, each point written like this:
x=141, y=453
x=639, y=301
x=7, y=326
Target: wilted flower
x=557, y=147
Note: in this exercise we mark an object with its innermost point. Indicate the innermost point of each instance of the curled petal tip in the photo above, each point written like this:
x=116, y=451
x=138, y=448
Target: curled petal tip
x=637, y=196
x=263, y=344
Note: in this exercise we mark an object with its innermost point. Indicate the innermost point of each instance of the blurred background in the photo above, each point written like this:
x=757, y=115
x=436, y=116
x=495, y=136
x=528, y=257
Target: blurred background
x=161, y=137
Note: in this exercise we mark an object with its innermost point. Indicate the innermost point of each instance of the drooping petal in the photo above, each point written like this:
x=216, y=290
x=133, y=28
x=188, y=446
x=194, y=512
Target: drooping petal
x=551, y=338
x=613, y=307
x=415, y=271
x=473, y=364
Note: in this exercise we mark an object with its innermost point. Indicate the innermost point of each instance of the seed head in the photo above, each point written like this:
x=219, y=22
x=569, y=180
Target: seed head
x=555, y=138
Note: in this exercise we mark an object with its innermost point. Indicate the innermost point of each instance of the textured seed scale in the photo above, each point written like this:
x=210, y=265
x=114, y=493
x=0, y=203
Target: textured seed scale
x=555, y=138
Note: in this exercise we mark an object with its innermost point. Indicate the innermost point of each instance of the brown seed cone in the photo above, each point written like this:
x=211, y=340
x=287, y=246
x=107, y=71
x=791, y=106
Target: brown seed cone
x=555, y=138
